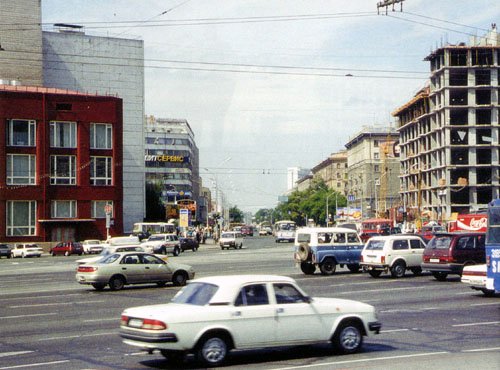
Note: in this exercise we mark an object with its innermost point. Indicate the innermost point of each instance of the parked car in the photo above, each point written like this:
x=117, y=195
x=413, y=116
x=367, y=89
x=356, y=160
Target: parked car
x=92, y=246
x=67, y=249
x=475, y=277
x=110, y=250
x=448, y=253
x=231, y=239
x=26, y=250
x=327, y=247
x=213, y=315
x=394, y=254
x=120, y=269
x=5, y=250
x=162, y=243
x=189, y=244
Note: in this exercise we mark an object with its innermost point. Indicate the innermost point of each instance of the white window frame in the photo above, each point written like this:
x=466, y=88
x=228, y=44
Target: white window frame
x=29, y=179
x=31, y=132
x=28, y=229
x=108, y=136
x=56, y=179
x=105, y=180
x=55, y=139
x=97, y=208
x=59, y=206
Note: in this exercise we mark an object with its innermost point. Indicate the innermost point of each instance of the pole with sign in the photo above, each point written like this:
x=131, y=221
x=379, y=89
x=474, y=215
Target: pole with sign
x=108, y=209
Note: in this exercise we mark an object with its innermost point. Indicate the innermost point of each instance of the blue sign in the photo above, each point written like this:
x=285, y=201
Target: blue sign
x=351, y=198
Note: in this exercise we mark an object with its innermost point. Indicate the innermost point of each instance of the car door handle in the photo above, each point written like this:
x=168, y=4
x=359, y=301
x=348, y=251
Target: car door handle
x=124, y=268
x=236, y=313
x=280, y=310
x=147, y=268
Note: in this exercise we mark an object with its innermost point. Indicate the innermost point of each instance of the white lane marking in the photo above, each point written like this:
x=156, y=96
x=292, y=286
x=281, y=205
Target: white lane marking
x=54, y=304
x=6, y=354
x=37, y=297
x=97, y=320
x=35, y=364
x=481, y=349
x=484, y=304
x=362, y=360
x=393, y=330
x=77, y=336
x=32, y=315
x=477, y=323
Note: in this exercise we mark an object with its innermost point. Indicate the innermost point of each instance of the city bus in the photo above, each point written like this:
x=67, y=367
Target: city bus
x=493, y=247
x=145, y=229
x=284, y=231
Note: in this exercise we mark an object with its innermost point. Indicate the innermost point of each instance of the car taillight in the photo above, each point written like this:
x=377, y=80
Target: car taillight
x=150, y=324
x=124, y=320
x=382, y=259
x=87, y=269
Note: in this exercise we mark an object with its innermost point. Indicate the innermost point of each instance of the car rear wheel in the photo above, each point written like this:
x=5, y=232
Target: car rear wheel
x=307, y=268
x=212, y=351
x=353, y=267
x=348, y=338
x=179, y=278
x=98, y=286
x=328, y=266
x=439, y=276
x=375, y=273
x=116, y=283
x=398, y=270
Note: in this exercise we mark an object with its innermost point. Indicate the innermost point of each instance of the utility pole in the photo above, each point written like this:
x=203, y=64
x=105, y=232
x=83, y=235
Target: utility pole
x=387, y=3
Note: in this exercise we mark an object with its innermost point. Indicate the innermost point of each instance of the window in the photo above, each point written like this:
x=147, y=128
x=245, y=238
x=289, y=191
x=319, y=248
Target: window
x=63, y=209
x=100, y=171
x=101, y=136
x=21, y=217
x=21, y=132
x=465, y=243
x=399, y=245
x=252, y=295
x=21, y=169
x=62, y=134
x=98, y=206
x=416, y=244
x=62, y=171
x=286, y=293
x=375, y=143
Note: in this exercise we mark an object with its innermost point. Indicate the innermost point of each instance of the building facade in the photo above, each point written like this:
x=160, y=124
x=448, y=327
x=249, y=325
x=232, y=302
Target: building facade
x=450, y=133
x=333, y=171
x=60, y=165
x=373, y=170
x=172, y=160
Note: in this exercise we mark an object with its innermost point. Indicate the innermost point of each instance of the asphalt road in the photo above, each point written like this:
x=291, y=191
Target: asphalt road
x=49, y=321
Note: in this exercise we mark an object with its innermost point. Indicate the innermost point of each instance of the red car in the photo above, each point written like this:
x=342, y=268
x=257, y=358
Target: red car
x=67, y=248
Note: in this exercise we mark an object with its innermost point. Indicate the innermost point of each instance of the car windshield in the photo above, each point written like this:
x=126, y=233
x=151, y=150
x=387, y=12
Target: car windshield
x=375, y=245
x=198, y=294
x=440, y=242
x=153, y=238
x=228, y=235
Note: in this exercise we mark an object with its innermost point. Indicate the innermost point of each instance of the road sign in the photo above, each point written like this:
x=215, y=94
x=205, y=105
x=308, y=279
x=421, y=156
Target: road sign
x=351, y=198
x=108, y=209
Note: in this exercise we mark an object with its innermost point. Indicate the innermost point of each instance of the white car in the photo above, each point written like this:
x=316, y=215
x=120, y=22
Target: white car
x=213, y=315
x=26, y=250
x=92, y=246
x=475, y=277
x=231, y=239
x=393, y=253
x=163, y=244
x=110, y=250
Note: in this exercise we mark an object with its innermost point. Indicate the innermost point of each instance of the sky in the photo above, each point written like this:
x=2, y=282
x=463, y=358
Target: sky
x=267, y=85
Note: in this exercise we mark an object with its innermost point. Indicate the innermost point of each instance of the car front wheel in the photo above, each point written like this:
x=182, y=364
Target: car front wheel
x=348, y=338
x=212, y=351
x=179, y=278
x=176, y=251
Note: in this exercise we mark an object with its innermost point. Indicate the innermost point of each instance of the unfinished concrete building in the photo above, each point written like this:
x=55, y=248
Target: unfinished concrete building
x=449, y=132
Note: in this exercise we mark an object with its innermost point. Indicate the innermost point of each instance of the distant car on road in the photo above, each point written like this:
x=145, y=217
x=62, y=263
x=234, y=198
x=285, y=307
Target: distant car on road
x=120, y=269
x=67, y=249
x=92, y=246
x=231, y=239
x=189, y=244
x=26, y=250
x=214, y=315
x=163, y=244
x=5, y=250
x=110, y=250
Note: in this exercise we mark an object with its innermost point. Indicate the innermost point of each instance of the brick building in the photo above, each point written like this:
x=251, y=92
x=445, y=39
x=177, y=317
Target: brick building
x=60, y=164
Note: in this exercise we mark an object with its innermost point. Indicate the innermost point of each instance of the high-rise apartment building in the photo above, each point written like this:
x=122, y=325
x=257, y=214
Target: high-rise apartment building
x=449, y=132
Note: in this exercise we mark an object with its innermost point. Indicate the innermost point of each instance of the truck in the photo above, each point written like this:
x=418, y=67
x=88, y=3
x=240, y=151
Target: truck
x=469, y=222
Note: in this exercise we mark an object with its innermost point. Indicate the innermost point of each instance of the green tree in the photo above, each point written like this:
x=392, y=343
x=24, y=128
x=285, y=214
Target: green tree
x=235, y=214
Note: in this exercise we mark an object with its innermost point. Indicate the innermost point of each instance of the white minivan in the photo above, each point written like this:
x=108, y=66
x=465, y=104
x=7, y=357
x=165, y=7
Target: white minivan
x=394, y=254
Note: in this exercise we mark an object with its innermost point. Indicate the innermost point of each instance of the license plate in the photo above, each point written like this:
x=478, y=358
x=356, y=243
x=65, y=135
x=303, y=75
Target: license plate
x=476, y=281
x=135, y=323
x=434, y=260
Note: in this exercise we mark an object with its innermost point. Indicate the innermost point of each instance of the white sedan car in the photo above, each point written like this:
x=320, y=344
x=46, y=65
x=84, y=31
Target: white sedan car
x=213, y=315
x=475, y=277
